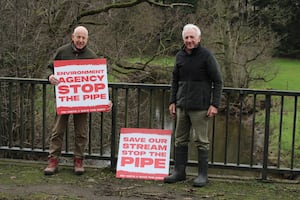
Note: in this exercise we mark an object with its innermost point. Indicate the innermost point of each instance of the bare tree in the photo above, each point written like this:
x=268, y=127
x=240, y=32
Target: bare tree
x=243, y=45
x=121, y=29
x=37, y=28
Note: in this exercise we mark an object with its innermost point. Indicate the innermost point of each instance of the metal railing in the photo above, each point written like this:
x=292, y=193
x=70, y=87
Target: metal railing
x=256, y=130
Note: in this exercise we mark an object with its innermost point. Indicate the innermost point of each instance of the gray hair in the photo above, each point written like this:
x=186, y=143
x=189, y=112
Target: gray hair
x=191, y=26
x=81, y=28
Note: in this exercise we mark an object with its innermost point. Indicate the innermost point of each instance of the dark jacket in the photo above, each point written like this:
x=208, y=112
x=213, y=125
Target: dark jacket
x=69, y=52
x=197, y=81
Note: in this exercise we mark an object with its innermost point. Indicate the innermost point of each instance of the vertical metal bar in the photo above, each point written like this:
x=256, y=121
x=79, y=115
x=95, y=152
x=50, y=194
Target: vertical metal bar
x=227, y=128
x=294, y=132
x=240, y=128
x=32, y=114
x=101, y=133
x=280, y=131
x=113, y=158
x=10, y=128
x=44, y=117
x=253, y=130
x=21, y=96
x=266, y=138
x=90, y=133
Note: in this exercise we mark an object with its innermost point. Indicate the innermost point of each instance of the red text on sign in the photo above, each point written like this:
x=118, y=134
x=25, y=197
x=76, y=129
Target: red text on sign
x=157, y=147
x=133, y=153
x=86, y=88
x=79, y=79
x=94, y=96
x=134, y=139
x=143, y=162
x=69, y=98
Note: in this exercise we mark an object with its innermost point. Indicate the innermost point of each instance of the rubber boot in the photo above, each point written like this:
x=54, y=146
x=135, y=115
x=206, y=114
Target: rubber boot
x=202, y=178
x=52, y=167
x=181, y=155
x=78, y=166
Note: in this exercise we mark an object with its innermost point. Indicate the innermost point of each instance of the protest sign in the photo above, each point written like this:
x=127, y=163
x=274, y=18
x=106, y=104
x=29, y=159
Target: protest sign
x=82, y=86
x=144, y=153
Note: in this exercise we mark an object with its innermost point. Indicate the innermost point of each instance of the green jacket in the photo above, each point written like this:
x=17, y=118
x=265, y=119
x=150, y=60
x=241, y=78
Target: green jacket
x=69, y=52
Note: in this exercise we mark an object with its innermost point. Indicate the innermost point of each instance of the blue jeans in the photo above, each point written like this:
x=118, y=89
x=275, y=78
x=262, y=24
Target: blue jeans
x=192, y=122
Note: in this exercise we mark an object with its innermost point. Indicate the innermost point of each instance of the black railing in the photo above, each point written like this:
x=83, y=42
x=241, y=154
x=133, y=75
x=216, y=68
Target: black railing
x=256, y=130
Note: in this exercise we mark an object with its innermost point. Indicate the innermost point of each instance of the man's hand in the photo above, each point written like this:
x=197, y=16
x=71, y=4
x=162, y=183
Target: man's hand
x=172, y=110
x=212, y=111
x=53, y=80
x=110, y=105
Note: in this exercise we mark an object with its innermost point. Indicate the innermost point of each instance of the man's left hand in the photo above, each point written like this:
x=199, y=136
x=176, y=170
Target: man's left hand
x=212, y=111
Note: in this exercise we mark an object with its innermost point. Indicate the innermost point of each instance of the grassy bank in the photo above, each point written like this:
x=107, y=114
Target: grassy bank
x=286, y=79
x=21, y=180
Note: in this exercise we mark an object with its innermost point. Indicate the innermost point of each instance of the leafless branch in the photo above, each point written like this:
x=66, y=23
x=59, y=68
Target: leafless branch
x=119, y=5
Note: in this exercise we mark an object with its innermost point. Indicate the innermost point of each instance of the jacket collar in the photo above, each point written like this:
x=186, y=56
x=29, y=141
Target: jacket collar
x=75, y=49
x=193, y=50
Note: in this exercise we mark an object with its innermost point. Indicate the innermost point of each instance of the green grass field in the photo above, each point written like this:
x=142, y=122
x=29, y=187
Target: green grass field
x=287, y=77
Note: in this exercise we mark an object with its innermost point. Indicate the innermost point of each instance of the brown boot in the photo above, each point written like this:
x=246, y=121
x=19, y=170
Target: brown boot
x=52, y=167
x=78, y=166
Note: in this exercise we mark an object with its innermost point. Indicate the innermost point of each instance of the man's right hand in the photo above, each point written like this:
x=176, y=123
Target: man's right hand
x=172, y=110
x=53, y=80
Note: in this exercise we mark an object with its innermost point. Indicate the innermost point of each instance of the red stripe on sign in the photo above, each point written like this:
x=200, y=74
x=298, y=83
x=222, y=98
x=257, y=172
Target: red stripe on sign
x=140, y=175
x=61, y=63
x=81, y=109
x=147, y=131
